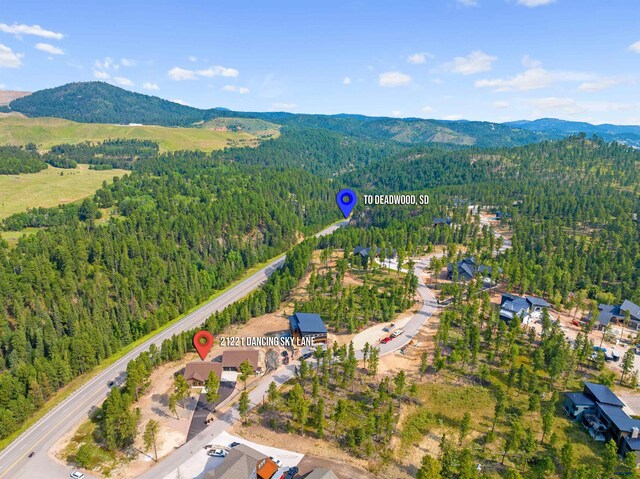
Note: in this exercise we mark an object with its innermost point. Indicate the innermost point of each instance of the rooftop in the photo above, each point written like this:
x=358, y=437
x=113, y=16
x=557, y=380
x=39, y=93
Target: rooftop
x=579, y=399
x=241, y=462
x=633, y=308
x=603, y=394
x=618, y=417
x=322, y=473
x=307, y=323
x=200, y=370
x=233, y=358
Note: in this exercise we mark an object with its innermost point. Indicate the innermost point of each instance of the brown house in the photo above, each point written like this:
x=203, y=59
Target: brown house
x=243, y=462
x=233, y=358
x=196, y=373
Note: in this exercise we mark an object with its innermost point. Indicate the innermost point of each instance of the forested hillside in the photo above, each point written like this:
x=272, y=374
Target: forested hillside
x=183, y=226
x=99, y=102
x=570, y=204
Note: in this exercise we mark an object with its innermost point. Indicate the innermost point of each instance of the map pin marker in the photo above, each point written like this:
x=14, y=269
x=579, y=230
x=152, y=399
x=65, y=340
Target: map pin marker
x=346, y=200
x=203, y=341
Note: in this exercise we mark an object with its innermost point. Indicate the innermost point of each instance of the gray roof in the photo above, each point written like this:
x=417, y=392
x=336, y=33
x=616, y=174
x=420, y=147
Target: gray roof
x=633, y=309
x=602, y=394
x=240, y=463
x=632, y=444
x=607, y=313
x=307, y=323
x=618, y=417
x=539, y=302
x=579, y=399
x=322, y=473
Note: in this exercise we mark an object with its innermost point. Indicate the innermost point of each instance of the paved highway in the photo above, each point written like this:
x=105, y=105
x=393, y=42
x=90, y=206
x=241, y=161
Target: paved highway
x=66, y=416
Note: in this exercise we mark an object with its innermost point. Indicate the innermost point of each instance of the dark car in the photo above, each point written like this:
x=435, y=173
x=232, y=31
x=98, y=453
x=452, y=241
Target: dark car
x=291, y=472
x=31, y=454
x=234, y=444
x=307, y=356
x=284, y=354
x=111, y=384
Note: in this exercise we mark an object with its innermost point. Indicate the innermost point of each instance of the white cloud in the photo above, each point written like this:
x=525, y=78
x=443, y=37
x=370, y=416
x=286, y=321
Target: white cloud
x=128, y=62
x=8, y=58
x=180, y=102
x=37, y=30
x=46, y=47
x=218, y=71
x=238, y=89
x=635, y=47
x=193, y=59
x=101, y=75
x=476, y=62
x=468, y=3
x=534, y=3
x=284, y=106
x=601, y=84
x=427, y=109
x=393, y=79
x=179, y=74
x=534, y=78
x=122, y=81
x=150, y=86
x=453, y=117
x=396, y=113
x=419, y=58
x=501, y=104
x=346, y=81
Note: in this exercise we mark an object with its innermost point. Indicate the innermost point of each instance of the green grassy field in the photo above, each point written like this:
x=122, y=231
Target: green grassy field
x=50, y=187
x=46, y=132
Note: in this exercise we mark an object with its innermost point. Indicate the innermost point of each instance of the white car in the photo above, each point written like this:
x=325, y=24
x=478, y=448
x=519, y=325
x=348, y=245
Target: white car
x=277, y=461
x=397, y=333
x=217, y=453
x=76, y=475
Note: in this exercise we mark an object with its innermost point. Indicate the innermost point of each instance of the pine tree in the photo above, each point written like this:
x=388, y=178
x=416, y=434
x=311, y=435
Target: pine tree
x=150, y=437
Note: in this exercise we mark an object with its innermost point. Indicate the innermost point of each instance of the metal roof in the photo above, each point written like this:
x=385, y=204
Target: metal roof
x=618, y=417
x=602, y=394
x=307, y=323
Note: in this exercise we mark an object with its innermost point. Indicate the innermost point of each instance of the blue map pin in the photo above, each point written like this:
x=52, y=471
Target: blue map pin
x=346, y=200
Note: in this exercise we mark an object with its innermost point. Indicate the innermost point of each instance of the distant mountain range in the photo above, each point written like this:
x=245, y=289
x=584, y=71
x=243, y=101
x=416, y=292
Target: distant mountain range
x=99, y=102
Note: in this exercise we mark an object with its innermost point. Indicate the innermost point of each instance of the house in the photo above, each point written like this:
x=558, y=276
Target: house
x=321, y=473
x=244, y=462
x=602, y=414
x=364, y=252
x=441, y=222
x=527, y=308
x=634, y=312
x=467, y=269
x=308, y=325
x=609, y=313
x=233, y=358
x=196, y=373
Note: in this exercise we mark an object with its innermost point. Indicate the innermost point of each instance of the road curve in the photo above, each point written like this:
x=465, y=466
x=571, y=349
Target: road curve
x=66, y=416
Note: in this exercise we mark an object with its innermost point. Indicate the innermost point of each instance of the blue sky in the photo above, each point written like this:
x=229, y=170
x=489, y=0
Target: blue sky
x=494, y=60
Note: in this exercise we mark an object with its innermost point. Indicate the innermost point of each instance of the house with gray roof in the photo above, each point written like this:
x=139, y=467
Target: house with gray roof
x=602, y=414
x=527, y=308
x=467, y=269
x=308, y=325
x=609, y=313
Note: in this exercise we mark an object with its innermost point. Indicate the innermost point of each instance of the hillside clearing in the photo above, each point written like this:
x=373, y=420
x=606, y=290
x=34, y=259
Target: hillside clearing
x=50, y=187
x=47, y=132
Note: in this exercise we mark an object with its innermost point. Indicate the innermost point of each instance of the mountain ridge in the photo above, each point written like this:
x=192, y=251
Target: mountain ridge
x=100, y=102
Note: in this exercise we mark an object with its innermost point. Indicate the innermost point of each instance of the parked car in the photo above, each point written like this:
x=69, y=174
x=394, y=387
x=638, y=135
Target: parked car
x=386, y=329
x=598, y=348
x=292, y=472
x=208, y=446
x=111, y=384
x=284, y=354
x=217, y=453
x=306, y=356
x=31, y=454
x=385, y=340
x=234, y=444
x=397, y=333
x=277, y=461
x=575, y=322
x=76, y=475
